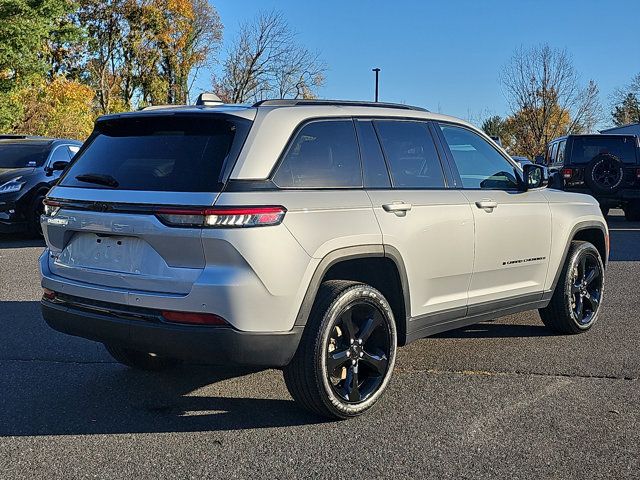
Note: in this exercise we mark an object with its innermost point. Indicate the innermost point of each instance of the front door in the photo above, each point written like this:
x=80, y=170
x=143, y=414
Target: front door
x=512, y=227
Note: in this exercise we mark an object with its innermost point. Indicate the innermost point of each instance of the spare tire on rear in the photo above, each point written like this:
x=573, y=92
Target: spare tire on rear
x=604, y=174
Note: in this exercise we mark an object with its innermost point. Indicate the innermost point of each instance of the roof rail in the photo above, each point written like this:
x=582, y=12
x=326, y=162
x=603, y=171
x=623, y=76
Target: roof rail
x=282, y=102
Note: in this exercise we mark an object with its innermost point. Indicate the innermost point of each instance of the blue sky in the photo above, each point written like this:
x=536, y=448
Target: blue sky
x=447, y=55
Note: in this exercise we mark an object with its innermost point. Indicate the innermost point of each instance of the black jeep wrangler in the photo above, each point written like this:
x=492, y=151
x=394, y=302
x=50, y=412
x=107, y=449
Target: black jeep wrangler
x=604, y=166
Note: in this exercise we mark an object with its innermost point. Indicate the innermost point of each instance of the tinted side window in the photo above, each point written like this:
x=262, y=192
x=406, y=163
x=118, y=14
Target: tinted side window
x=479, y=164
x=410, y=153
x=373, y=164
x=561, y=146
x=60, y=154
x=324, y=154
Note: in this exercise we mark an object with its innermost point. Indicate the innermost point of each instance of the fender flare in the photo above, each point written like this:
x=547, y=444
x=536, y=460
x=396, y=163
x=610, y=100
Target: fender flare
x=350, y=253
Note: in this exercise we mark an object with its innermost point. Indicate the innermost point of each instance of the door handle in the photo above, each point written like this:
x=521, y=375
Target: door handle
x=486, y=205
x=399, y=208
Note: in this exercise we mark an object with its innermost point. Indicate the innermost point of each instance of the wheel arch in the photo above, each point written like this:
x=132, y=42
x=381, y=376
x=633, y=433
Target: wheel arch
x=380, y=266
x=589, y=231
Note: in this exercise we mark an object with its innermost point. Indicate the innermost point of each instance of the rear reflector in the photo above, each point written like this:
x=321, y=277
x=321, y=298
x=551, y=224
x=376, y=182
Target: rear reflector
x=49, y=294
x=567, y=173
x=223, y=217
x=193, y=318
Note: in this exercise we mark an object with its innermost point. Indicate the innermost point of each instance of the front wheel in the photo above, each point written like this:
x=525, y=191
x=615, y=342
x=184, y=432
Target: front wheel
x=347, y=352
x=36, y=209
x=577, y=298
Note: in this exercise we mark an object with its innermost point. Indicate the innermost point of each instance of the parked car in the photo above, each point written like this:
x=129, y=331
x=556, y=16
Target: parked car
x=29, y=166
x=312, y=236
x=522, y=161
x=604, y=166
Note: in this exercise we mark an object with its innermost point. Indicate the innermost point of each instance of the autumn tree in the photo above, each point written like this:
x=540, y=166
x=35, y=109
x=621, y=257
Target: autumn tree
x=546, y=98
x=626, y=103
x=266, y=61
x=56, y=108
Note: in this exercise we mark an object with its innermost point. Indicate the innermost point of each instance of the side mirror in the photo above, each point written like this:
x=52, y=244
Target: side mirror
x=535, y=176
x=539, y=160
x=59, y=165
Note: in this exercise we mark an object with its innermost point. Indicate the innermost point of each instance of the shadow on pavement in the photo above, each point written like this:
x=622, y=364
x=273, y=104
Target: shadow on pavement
x=20, y=241
x=497, y=330
x=625, y=239
x=54, y=384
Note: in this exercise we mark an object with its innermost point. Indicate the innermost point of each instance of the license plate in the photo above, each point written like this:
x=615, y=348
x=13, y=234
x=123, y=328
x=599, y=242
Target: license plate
x=112, y=253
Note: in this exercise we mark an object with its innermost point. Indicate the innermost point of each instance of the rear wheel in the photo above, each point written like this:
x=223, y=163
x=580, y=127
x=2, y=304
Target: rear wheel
x=140, y=360
x=576, y=301
x=347, y=352
x=632, y=211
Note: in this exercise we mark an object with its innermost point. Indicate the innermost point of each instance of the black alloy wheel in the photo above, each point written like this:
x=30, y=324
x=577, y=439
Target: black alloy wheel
x=604, y=174
x=358, y=352
x=586, y=288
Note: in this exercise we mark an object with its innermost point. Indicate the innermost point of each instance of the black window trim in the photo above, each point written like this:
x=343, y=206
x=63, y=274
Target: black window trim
x=289, y=145
x=446, y=179
x=454, y=167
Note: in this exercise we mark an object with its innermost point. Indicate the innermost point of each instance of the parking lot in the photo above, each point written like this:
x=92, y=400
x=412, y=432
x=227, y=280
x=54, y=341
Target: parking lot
x=498, y=399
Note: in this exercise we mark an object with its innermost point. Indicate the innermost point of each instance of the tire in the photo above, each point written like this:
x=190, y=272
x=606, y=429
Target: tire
x=140, y=360
x=604, y=174
x=632, y=211
x=36, y=208
x=563, y=315
x=336, y=386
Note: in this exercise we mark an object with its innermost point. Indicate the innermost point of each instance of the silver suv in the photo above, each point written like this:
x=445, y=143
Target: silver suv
x=315, y=236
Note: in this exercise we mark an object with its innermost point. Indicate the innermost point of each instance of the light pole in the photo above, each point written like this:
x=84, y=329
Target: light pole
x=377, y=70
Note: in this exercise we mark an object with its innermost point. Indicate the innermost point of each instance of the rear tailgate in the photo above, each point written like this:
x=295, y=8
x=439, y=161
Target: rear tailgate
x=101, y=227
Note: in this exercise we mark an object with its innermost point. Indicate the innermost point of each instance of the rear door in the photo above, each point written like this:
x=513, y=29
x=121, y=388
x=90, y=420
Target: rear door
x=109, y=212
x=427, y=223
x=512, y=227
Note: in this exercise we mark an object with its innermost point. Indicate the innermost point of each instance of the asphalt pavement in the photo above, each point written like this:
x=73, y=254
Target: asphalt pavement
x=505, y=399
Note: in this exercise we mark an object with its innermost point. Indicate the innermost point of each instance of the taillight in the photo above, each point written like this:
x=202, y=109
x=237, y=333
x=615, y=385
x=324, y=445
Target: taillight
x=567, y=173
x=51, y=207
x=222, y=217
x=193, y=318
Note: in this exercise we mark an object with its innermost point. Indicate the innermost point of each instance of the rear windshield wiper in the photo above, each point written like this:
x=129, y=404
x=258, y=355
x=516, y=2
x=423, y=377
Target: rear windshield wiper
x=98, y=178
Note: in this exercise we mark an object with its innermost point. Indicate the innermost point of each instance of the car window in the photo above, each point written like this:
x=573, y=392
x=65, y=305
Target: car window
x=479, y=164
x=73, y=149
x=164, y=153
x=373, y=164
x=22, y=156
x=323, y=154
x=585, y=149
x=411, y=154
x=561, y=147
x=60, y=154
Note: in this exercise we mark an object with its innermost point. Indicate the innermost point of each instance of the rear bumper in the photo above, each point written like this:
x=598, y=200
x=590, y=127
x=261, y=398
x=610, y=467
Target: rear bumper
x=216, y=345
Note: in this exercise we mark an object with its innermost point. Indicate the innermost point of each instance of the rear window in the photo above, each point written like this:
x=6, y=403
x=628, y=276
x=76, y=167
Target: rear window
x=584, y=149
x=22, y=156
x=169, y=153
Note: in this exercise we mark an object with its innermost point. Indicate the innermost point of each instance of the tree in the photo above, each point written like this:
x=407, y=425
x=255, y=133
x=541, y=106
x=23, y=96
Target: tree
x=494, y=126
x=56, y=108
x=266, y=61
x=546, y=98
x=626, y=106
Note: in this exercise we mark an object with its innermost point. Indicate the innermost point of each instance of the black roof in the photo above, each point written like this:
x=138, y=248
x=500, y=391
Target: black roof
x=33, y=140
x=338, y=103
